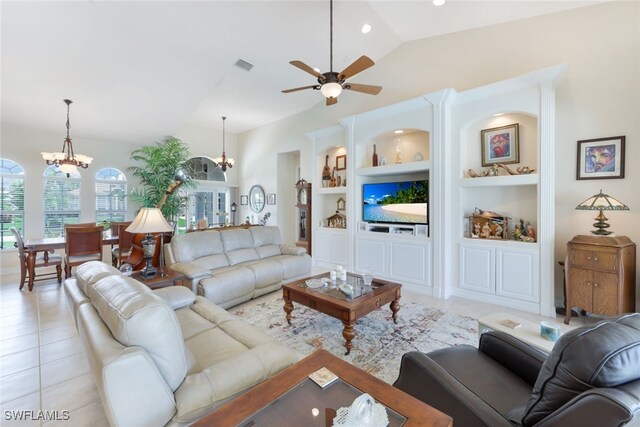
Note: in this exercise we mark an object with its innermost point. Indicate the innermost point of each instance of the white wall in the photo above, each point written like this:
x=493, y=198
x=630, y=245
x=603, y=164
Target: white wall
x=600, y=97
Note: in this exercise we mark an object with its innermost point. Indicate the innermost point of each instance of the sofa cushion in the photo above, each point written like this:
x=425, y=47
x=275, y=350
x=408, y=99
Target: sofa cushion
x=89, y=273
x=266, y=235
x=228, y=286
x=137, y=317
x=211, y=262
x=236, y=239
x=266, y=273
x=242, y=255
x=293, y=265
x=605, y=354
x=190, y=246
x=268, y=251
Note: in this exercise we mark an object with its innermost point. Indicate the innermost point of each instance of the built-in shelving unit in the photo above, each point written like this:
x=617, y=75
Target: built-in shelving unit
x=333, y=190
x=394, y=169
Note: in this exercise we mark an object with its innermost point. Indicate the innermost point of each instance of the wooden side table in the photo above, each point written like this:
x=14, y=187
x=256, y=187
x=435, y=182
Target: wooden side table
x=600, y=274
x=170, y=278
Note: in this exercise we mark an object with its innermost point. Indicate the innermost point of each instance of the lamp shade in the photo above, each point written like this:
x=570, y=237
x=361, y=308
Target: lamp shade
x=601, y=202
x=331, y=89
x=149, y=220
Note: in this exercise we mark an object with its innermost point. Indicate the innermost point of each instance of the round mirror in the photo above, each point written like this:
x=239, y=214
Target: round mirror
x=256, y=198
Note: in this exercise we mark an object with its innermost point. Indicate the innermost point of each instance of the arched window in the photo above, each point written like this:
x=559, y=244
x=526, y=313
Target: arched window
x=61, y=200
x=12, y=201
x=111, y=195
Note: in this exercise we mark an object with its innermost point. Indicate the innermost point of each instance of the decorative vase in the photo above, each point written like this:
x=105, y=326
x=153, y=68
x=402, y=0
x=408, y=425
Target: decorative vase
x=374, y=159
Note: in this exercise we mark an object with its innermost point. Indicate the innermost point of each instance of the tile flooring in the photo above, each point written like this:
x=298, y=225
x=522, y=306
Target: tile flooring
x=43, y=365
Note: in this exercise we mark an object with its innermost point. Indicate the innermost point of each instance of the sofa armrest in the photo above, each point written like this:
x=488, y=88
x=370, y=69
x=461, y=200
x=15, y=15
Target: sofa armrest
x=176, y=296
x=292, y=250
x=191, y=271
x=515, y=355
x=426, y=380
x=599, y=407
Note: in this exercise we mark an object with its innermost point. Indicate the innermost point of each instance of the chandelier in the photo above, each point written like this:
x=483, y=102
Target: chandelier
x=67, y=160
x=222, y=161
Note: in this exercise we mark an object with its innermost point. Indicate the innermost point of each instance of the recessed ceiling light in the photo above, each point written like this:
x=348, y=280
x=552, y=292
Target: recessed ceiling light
x=366, y=28
x=498, y=114
x=438, y=2
x=398, y=131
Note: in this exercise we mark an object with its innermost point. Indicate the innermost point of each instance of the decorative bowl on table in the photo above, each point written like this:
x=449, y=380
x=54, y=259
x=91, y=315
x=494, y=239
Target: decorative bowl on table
x=316, y=283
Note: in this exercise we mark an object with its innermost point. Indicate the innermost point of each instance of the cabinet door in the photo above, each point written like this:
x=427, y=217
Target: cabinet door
x=322, y=247
x=477, y=268
x=581, y=289
x=517, y=273
x=409, y=261
x=339, y=248
x=371, y=254
x=605, y=293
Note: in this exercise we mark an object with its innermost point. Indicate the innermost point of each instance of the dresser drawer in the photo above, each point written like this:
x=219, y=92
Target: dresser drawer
x=604, y=261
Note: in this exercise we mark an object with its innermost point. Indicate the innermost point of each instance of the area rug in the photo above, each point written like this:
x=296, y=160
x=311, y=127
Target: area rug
x=379, y=343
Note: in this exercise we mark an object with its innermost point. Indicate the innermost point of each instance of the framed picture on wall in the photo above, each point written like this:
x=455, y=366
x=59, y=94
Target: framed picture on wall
x=271, y=199
x=244, y=200
x=341, y=162
x=601, y=158
x=500, y=145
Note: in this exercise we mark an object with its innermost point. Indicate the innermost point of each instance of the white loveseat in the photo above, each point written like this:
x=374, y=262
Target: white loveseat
x=165, y=357
x=232, y=266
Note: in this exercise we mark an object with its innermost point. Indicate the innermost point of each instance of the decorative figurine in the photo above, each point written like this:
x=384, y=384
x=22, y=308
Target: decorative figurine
x=517, y=232
x=486, y=230
x=476, y=230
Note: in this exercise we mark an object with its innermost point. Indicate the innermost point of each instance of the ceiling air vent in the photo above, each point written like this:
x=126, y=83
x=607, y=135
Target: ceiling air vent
x=244, y=65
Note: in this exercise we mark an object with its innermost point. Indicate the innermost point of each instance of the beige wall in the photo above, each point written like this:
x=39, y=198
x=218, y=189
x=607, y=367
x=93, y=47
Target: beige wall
x=600, y=97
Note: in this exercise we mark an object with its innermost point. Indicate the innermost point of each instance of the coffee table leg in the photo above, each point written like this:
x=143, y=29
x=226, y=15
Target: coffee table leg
x=395, y=307
x=349, y=334
x=288, y=308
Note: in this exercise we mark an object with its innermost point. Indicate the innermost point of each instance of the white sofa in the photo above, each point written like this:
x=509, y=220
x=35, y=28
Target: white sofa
x=165, y=357
x=232, y=266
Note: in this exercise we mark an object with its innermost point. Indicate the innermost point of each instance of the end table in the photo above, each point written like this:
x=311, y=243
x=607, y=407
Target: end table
x=170, y=278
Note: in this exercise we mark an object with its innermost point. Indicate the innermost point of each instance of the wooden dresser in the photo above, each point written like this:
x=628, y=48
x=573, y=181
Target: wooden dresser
x=600, y=274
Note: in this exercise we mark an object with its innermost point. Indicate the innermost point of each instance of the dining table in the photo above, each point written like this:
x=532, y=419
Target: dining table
x=33, y=246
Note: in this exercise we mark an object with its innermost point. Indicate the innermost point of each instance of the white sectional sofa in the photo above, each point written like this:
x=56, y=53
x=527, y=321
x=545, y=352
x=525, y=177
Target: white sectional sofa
x=232, y=266
x=165, y=357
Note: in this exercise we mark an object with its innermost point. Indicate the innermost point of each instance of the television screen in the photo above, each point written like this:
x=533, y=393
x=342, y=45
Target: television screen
x=395, y=202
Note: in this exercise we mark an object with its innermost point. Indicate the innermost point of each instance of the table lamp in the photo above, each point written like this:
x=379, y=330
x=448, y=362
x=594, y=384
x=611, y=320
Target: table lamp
x=601, y=202
x=149, y=220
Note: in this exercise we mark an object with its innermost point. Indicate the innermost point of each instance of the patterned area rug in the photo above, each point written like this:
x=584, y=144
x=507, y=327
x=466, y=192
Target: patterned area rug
x=379, y=343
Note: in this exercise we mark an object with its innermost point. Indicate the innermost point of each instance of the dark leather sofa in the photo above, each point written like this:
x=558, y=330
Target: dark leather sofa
x=591, y=378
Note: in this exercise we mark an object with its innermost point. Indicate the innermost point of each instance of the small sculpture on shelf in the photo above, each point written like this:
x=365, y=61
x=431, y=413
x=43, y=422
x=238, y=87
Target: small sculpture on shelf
x=337, y=220
x=326, y=172
x=524, y=232
x=488, y=225
x=494, y=170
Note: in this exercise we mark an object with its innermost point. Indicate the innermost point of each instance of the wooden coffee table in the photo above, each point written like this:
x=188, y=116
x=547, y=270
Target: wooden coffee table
x=335, y=303
x=290, y=398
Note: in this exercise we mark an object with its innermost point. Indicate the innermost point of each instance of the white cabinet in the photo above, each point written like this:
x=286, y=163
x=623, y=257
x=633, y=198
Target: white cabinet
x=330, y=247
x=404, y=259
x=505, y=269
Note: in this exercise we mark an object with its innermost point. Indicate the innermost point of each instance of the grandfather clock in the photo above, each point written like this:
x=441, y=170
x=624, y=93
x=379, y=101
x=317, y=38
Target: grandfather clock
x=303, y=208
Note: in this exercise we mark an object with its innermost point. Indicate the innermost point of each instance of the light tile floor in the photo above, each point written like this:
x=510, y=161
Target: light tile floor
x=43, y=365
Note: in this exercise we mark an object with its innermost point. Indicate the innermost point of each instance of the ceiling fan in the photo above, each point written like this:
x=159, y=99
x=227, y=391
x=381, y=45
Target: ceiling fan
x=331, y=83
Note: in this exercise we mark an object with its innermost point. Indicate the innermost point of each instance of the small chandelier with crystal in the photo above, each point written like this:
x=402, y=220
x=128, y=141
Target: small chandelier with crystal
x=222, y=161
x=67, y=160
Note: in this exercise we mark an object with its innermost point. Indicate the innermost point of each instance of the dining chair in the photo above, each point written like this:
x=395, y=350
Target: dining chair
x=125, y=241
x=80, y=225
x=42, y=260
x=82, y=244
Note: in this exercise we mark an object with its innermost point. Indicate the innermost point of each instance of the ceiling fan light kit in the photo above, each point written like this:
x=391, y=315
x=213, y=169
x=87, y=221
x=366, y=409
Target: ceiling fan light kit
x=331, y=84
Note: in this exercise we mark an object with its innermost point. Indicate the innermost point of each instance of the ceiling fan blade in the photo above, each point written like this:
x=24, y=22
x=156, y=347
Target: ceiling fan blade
x=331, y=101
x=300, y=88
x=358, y=66
x=308, y=69
x=368, y=89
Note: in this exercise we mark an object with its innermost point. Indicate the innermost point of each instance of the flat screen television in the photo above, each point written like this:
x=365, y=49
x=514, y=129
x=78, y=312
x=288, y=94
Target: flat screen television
x=396, y=202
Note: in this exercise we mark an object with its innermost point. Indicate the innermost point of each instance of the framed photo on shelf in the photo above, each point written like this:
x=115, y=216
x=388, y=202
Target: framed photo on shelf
x=271, y=199
x=601, y=158
x=341, y=162
x=244, y=200
x=500, y=145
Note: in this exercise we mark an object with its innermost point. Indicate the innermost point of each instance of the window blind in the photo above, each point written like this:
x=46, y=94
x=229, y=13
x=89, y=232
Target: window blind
x=61, y=201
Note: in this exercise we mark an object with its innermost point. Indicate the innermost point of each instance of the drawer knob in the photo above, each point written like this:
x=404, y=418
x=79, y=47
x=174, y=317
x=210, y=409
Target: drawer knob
x=595, y=258
x=588, y=283
x=588, y=257
x=595, y=285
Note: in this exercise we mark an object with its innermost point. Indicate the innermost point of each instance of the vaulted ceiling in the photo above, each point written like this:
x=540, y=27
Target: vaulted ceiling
x=138, y=71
